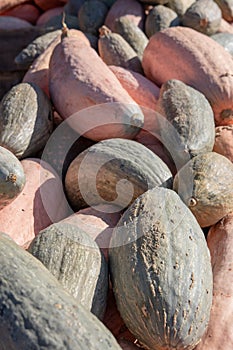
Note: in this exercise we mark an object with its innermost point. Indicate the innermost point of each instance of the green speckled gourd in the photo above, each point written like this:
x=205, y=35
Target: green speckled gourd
x=74, y=258
x=12, y=177
x=26, y=57
x=190, y=129
x=115, y=51
x=37, y=313
x=159, y=18
x=161, y=272
x=114, y=171
x=204, y=16
x=224, y=39
x=91, y=15
x=132, y=34
x=26, y=120
x=205, y=184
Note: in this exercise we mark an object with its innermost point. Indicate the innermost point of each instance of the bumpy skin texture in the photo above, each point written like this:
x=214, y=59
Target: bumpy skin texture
x=194, y=58
x=94, y=176
x=132, y=34
x=204, y=16
x=161, y=272
x=40, y=203
x=12, y=177
x=159, y=18
x=74, y=258
x=205, y=185
x=26, y=121
x=115, y=50
x=129, y=8
x=80, y=77
x=37, y=313
x=219, y=334
x=224, y=141
x=190, y=129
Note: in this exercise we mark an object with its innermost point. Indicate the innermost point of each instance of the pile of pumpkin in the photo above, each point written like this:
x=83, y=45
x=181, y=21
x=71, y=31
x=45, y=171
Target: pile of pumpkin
x=116, y=176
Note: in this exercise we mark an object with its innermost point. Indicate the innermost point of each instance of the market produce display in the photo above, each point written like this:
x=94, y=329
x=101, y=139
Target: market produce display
x=116, y=174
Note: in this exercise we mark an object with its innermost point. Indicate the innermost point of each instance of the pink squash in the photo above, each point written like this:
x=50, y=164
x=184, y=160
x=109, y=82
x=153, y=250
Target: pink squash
x=6, y=5
x=49, y=4
x=224, y=141
x=41, y=203
x=49, y=14
x=27, y=12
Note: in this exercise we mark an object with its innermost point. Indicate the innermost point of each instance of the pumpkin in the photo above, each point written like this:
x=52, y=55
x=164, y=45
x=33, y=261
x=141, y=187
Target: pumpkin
x=219, y=332
x=47, y=15
x=73, y=257
x=111, y=172
x=13, y=23
x=205, y=185
x=115, y=50
x=76, y=65
x=27, y=12
x=159, y=18
x=197, y=60
x=41, y=300
x=223, y=141
x=188, y=128
x=91, y=15
x=132, y=34
x=12, y=177
x=204, y=16
x=25, y=104
x=159, y=258
x=39, y=204
x=26, y=57
x=130, y=8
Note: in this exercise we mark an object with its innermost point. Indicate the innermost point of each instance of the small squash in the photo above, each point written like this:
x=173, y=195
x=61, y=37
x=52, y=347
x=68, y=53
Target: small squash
x=197, y=60
x=27, y=12
x=111, y=172
x=73, y=257
x=224, y=141
x=91, y=15
x=47, y=15
x=37, y=299
x=12, y=177
x=204, y=16
x=179, y=6
x=205, y=186
x=159, y=18
x=159, y=258
x=26, y=120
x=9, y=4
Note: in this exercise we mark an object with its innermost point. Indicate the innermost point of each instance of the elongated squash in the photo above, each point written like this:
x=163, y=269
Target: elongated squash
x=37, y=313
x=194, y=58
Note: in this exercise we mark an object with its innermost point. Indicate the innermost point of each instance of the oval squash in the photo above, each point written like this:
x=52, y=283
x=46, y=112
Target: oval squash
x=37, y=299
x=205, y=185
x=12, y=177
x=91, y=15
x=110, y=172
x=159, y=18
x=47, y=15
x=224, y=141
x=8, y=4
x=159, y=258
x=73, y=257
x=26, y=120
x=27, y=12
x=194, y=58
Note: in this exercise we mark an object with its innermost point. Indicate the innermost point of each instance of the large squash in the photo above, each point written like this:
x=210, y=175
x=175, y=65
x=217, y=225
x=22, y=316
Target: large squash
x=36, y=312
x=161, y=272
x=194, y=58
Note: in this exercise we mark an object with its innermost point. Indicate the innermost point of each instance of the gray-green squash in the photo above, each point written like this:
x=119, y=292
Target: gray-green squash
x=204, y=16
x=159, y=18
x=26, y=57
x=37, y=313
x=74, y=258
x=132, y=34
x=224, y=39
x=205, y=184
x=179, y=6
x=12, y=177
x=114, y=171
x=91, y=15
x=116, y=51
x=26, y=120
x=190, y=129
x=161, y=272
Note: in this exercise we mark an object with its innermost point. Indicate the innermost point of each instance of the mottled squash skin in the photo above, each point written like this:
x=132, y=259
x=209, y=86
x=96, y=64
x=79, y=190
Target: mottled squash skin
x=161, y=272
x=37, y=299
x=194, y=58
